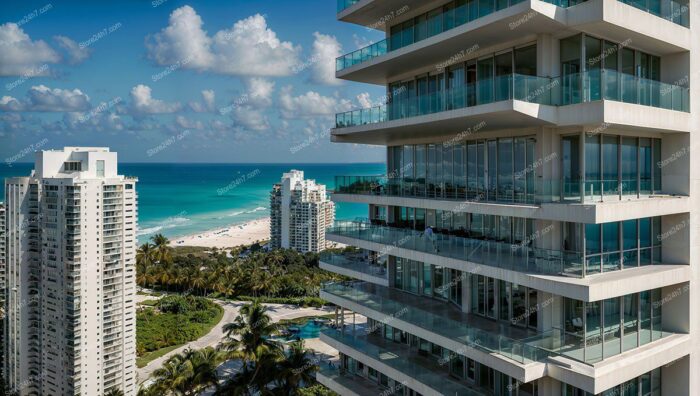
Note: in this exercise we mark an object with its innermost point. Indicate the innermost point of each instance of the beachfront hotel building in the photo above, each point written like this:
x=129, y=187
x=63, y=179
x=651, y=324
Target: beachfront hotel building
x=71, y=246
x=549, y=147
x=300, y=212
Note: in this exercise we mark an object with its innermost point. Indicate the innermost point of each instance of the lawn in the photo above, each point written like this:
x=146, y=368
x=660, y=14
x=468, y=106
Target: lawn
x=172, y=322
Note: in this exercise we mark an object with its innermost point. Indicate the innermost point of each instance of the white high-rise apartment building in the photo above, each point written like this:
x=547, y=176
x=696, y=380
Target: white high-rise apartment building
x=300, y=212
x=71, y=319
x=549, y=147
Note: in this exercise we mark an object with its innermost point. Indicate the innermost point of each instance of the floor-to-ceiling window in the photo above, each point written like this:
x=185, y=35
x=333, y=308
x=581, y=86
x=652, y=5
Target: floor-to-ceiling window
x=427, y=280
x=500, y=170
x=621, y=166
x=615, y=72
x=502, y=300
x=616, y=245
x=599, y=329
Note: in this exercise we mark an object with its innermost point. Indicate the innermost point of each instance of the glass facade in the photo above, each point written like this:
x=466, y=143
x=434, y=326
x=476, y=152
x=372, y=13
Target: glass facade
x=513, y=230
x=615, y=166
x=503, y=301
x=617, y=245
x=472, y=373
x=439, y=20
x=676, y=11
x=428, y=280
x=501, y=170
x=593, y=69
x=594, y=331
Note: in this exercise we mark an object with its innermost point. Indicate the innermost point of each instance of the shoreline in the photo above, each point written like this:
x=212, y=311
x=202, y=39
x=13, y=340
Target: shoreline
x=228, y=237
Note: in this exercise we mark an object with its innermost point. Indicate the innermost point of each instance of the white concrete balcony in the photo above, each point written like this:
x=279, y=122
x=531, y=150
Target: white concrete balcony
x=344, y=383
x=355, y=266
x=520, y=353
x=553, y=271
x=417, y=372
x=437, y=39
x=512, y=101
x=550, y=200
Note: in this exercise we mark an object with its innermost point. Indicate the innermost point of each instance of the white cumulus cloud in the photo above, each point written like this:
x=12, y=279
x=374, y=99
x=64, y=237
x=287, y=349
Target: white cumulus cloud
x=208, y=102
x=44, y=99
x=142, y=103
x=325, y=50
x=76, y=54
x=248, y=48
x=20, y=55
x=260, y=91
x=310, y=104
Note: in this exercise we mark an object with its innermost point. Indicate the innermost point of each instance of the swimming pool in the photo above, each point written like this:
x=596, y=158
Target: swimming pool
x=310, y=329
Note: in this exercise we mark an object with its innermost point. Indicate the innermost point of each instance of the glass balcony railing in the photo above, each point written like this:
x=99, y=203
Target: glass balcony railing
x=357, y=262
x=515, y=343
x=513, y=86
x=538, y=192
x=443, y=19
x=430, y=374
x=519, y=257
x=343, y=4
x=598, y=84
x=361, y=55
x=675, y=11
x=348, y=380
x=470, y=330
x=439, y=20
x=576, y=88
x=543, y=190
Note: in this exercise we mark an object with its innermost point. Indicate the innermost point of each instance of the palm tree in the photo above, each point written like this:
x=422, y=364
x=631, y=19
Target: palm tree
x=163, y=251
x=144, y=261
x=296, y=369
x=248, y=337
x=188, y=373
x=204, y=364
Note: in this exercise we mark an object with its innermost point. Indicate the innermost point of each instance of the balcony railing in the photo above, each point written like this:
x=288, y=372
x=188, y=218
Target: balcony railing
x=430, y=24
x=343, y=4
x=576, y=88
x=519, y=257
x=355, y=262
x=677, y=12
x=594, y=85
x=429, y=373
x=538, y=192
x=513, y=86
x=471, y=331
x=518, y=344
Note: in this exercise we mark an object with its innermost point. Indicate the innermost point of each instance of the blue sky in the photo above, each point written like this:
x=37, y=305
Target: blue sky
x=179, y=81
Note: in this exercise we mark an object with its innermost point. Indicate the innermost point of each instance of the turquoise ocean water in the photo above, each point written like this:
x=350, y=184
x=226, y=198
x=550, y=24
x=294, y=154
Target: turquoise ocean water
x=183, y=199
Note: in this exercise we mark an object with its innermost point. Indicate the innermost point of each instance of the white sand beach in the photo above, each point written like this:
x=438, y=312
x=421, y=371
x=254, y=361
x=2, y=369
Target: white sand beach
x=231, y=236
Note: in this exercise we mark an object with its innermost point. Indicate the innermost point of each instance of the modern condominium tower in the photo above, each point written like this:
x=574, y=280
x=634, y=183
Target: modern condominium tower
x=300, y=212
x=537, y=230
x=71, y=232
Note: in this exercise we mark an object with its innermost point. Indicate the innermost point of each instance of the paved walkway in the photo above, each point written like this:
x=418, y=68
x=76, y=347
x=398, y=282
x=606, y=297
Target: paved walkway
x=276, y=311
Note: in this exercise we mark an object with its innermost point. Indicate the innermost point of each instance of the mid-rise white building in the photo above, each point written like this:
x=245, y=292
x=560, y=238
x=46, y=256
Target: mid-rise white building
x=300, y=212
x=71, y=246
x=538, y=222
